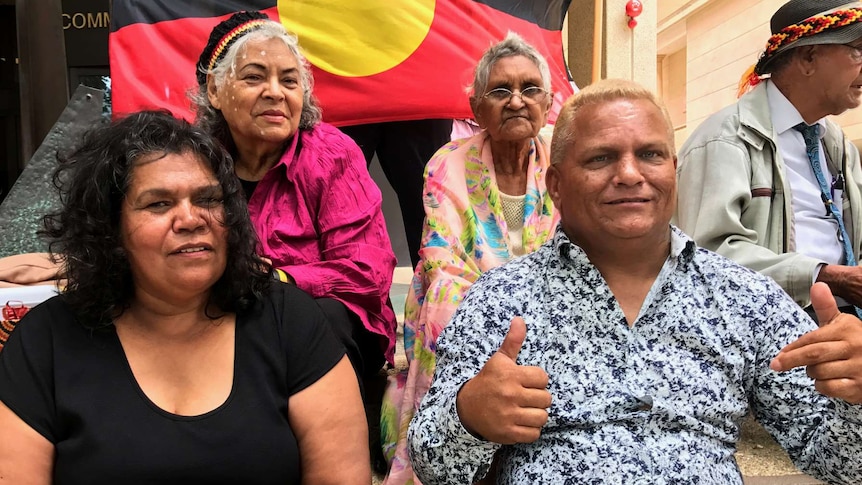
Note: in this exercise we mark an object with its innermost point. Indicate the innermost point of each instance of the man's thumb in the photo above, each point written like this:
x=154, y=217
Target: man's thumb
x=514, y=339
x=823, y=303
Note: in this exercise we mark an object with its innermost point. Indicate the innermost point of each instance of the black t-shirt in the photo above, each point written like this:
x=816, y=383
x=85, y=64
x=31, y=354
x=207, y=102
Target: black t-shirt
x=248, y=187
x=75, y=387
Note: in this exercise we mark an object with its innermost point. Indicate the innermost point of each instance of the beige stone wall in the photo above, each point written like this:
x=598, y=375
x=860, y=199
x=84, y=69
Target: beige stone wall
x=672, y=89
x=719, y=39
x=626, y=53
x=851, y=122
x=723, y=40
x=667, y=8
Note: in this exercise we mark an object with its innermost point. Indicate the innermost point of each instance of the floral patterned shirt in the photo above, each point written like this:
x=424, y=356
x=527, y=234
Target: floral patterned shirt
x=659, y=402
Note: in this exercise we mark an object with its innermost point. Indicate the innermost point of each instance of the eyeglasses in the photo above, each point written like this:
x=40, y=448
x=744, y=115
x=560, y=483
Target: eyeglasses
x=529, y=95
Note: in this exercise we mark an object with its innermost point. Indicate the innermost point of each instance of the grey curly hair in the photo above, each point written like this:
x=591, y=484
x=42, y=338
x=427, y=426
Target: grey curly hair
x=513, y=45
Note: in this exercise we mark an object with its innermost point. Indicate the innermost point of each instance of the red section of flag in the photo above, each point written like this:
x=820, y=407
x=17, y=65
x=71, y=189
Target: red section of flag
x=152, y=66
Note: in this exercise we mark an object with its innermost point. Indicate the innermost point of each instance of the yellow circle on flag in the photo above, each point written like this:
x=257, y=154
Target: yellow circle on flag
x=356, y=38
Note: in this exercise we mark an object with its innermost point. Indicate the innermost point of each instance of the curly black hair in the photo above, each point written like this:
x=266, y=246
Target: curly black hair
x=84, y=235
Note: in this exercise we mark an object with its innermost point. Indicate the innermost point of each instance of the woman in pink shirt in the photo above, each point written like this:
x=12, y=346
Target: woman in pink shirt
x=313, y=204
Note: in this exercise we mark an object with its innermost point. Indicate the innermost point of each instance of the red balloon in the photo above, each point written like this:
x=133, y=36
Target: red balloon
x=634, y=8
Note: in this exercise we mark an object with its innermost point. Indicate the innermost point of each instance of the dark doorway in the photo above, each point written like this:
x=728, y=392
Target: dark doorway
x=86, y=24
x=10, y=104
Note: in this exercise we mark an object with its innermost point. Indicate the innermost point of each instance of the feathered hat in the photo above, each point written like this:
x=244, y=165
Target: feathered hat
x=805, y=22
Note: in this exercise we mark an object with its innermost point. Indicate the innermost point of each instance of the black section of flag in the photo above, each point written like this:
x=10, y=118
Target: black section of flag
x=128, y=12
x=548, y=15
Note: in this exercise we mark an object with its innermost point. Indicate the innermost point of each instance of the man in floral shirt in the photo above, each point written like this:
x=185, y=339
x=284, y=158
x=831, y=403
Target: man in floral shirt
x=622, y=353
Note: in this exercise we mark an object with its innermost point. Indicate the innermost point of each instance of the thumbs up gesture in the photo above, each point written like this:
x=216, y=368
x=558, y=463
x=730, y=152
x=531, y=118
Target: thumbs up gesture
x=832, y=354
x=506, y=403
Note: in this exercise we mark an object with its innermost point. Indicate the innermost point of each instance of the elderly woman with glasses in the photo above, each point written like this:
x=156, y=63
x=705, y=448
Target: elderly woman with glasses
x=485, y=203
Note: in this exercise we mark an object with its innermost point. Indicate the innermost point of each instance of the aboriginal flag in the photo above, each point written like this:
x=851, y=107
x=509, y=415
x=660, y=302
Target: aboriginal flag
x=373, y=60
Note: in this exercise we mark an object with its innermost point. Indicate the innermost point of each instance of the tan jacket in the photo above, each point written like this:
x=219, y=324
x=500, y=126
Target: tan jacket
x=734, y=197
x=28, y=269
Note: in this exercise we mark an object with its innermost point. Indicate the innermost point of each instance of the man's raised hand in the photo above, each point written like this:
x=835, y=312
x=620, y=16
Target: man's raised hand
x=506, y=403
x=832, y=354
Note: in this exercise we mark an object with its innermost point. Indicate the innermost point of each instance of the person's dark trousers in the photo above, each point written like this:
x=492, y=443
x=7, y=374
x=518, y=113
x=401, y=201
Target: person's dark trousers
x=366, y=355
x=363, y=347
x=403, y=148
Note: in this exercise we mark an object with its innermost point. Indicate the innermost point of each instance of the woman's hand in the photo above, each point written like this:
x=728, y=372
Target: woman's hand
x=278, y=274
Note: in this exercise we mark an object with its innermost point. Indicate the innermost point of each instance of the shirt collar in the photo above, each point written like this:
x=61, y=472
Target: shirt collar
x=291, y=149
x=682, y=247
x=784, y=115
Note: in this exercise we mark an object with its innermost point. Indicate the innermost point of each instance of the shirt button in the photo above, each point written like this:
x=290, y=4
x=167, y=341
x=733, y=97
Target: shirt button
x=645, y=403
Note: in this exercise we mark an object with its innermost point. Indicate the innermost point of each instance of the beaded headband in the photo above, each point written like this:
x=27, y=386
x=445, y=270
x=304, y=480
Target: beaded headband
x=812, y=26
x=228, y=38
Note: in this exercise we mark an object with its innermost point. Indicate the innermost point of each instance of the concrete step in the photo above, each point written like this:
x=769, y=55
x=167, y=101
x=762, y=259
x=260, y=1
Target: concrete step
x=782, y=480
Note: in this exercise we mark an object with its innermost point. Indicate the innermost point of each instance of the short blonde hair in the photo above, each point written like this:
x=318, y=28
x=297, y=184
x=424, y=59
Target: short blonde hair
x=603, y=91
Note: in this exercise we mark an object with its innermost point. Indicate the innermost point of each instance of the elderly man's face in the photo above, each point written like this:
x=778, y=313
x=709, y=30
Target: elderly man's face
x=617, y=180
x=837, y=77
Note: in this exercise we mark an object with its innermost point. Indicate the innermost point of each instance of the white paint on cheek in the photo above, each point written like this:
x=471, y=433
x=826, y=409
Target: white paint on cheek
x=263, y=53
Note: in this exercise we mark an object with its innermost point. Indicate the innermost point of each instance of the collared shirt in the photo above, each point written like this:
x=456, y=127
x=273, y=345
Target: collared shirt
x=318, y=215
x=465, y=234
x=659, y=402
x=816, y=231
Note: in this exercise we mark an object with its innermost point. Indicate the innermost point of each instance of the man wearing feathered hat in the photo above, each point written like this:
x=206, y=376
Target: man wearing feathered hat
x=770, y=182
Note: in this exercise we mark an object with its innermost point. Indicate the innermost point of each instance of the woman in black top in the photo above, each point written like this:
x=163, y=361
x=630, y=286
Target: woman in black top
x=171, y=356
